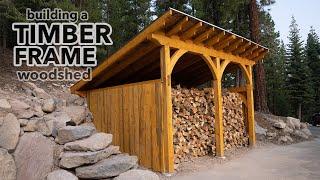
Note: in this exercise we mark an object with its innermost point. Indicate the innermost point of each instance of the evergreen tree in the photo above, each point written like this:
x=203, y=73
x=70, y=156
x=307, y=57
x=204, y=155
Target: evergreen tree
x=313, y=60
x=298, y=83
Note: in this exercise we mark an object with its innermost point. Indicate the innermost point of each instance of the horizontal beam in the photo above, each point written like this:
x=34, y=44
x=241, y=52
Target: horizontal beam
x=197, y=49
x=178, y=27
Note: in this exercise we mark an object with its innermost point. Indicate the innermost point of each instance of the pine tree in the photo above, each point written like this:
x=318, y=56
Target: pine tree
x=313, y=60
x=298, y=83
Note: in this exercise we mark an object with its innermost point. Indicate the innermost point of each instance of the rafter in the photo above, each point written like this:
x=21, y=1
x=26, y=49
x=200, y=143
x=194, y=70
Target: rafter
x=225, y=42
x=234, y=45
x=241, y=48
x=215, y=39
x=204, y=36
x=178, y=27
x=249, y=51
x=191, y=31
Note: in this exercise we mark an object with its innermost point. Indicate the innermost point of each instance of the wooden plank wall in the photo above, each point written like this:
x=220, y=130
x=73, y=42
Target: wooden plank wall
x=133, y=114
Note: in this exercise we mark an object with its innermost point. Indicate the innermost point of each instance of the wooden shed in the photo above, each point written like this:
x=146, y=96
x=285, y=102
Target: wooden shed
x=130, y=92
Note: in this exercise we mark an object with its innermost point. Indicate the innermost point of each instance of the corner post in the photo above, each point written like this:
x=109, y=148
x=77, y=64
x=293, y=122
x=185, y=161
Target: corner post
x=167, y=135
x=250, y=109
x=218, y=127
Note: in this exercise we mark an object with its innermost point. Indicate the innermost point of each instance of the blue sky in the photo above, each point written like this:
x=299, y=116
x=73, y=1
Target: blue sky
x=306, y=12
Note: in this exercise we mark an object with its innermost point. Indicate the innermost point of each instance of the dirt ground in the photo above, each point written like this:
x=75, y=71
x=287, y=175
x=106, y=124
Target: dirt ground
x=297, y=161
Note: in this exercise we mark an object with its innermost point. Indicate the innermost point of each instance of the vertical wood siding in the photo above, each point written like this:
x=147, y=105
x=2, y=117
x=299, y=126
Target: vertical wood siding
x=133, y=114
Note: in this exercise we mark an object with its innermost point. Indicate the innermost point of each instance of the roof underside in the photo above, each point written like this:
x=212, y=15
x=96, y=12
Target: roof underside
x=139, y=59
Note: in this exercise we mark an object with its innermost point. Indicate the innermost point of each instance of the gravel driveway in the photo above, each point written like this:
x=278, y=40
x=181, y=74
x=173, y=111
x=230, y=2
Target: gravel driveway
x=298, y=161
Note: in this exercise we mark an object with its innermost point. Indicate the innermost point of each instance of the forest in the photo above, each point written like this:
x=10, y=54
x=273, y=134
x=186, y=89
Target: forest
x=287, y=81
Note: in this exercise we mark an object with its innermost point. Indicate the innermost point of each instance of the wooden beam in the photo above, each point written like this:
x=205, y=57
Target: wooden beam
x=123, y=64
x=242, y=48
x=237, y=89
x=218, y=126
x=126, y=48
x=215, y=39
x=250, y=105
x=178, y=27
x=224, y=43
x=175, y=57
x=234, y=45
x=261, y=56
x=197, y=49
x=167, y=109
x=191, y=31
x=204, y=36
x=249, y=50
x=255, y=53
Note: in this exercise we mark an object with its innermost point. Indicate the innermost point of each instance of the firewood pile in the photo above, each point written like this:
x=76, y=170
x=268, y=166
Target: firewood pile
x=193, y=122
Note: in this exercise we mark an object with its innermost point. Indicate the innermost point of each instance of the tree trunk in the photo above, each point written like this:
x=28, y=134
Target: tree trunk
x=259, y=74
x=299, y=111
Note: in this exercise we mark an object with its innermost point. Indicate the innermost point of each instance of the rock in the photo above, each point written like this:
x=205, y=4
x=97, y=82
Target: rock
x=19, y=105
x=44, y=127
x=95, y=142
x=72, y=133
x=306, y=131
x=31, y=126
x=34, y=156
x=279, y=125
x=289, y=139
x=300, y=134
x=48, y=105
x=56, y=121
x=138, y=174
x=303, y=125
x=271, y=134
x=293, y=123
x=38, y=111
x=4, y=104
x=24, y=114
x=109, y=167
x=283, y=139
x=287, y=130
x=9, y=132
x=61, y=175
x=21, y=132
x=260, y=130
x=36, y=91
x=7, y=166
x=23, y=122
x=1, y=121
x=76, y=113
x=76, y=159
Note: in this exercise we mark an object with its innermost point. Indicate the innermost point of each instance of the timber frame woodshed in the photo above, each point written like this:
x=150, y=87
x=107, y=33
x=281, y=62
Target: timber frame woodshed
x=130, y=92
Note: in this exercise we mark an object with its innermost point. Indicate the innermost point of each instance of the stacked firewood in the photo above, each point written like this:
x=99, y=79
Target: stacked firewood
x=193, y=122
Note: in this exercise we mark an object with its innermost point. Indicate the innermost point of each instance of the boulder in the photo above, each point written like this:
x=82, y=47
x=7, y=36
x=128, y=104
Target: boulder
x=300, y=134
x=56, y=121
x=76, y=159
x=1, y=121
x=271, y=134
x=289, y=139
x=110, y=167
x=287, y=130
x=36, y=91
x=76, y=113
x=279, y=125
x=19, y=105
x=72, y=133
x=61, y=175
x=45, y=127
x=138, y=174
x=34, y=156
x=31, y=125
x=4, y=104
x=303, y=125
x=259, y=129
x=9, y=132
x=48, y=105
x=23, y=122
x=95, y=142
x=24, y=114
x=7, y=166
x=38, y=111
x=306, y=131
x=282, y=139
x=293, y=123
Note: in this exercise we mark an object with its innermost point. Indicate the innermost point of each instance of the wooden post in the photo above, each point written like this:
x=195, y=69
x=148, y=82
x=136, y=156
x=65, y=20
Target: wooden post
x=167, y=110
x=218, y=127
x=250, y=108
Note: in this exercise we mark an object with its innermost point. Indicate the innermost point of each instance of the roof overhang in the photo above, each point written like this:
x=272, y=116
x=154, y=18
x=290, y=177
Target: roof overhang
x=186, y=28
